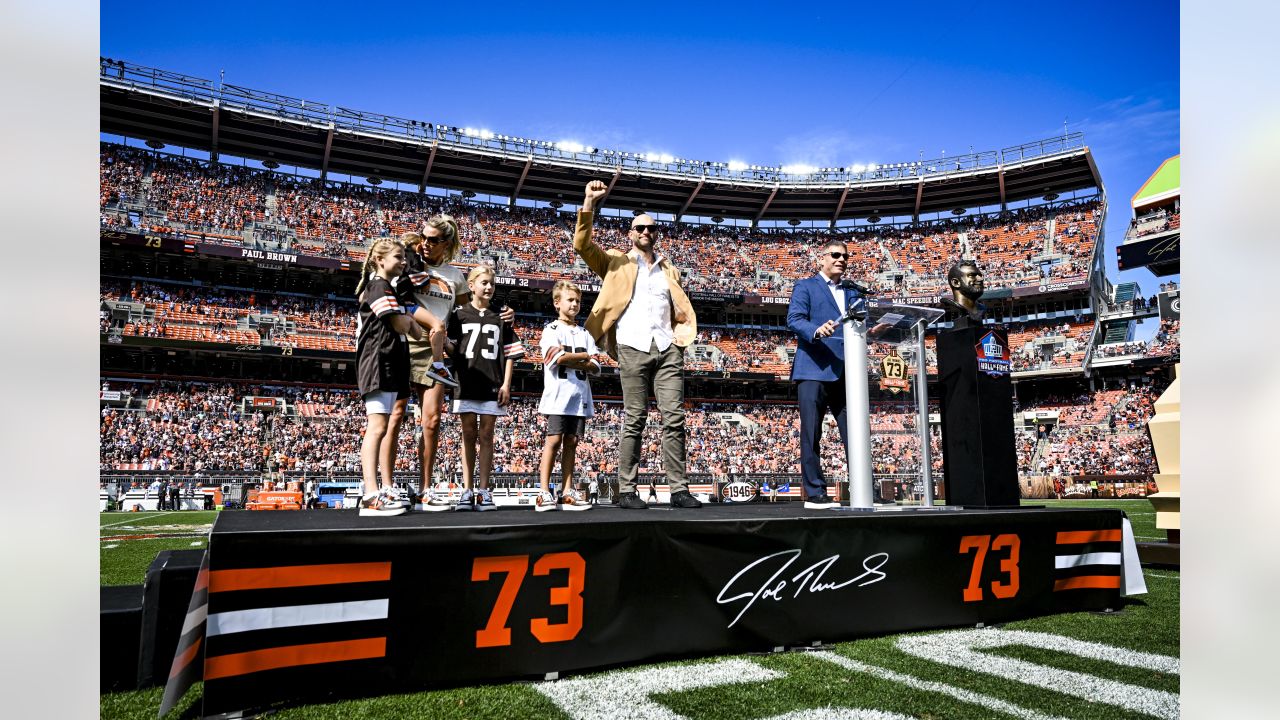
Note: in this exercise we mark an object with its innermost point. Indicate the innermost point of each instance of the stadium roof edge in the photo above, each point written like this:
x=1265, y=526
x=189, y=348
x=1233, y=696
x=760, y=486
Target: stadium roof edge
x=1164, y=184
x=151, y=104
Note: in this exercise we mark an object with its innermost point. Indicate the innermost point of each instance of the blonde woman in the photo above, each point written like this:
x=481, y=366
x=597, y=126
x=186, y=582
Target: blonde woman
x=438, y=287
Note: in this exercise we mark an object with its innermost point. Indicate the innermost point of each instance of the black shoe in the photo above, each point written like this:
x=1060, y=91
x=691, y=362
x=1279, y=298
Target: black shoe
x=822, y=502
x=631, y=501
x=683, y=499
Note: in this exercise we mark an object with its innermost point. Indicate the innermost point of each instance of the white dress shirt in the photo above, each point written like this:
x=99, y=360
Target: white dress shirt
x=647, y=318
x=837, y=292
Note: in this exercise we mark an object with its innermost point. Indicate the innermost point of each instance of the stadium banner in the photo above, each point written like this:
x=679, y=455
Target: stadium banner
x=191, y=242
x=270, y=259
x=703, y=296
x=1170, y=305
x=1070, y=284
x=308, y=607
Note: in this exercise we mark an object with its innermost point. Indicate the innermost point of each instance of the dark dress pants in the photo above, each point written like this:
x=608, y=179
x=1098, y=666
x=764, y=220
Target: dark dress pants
x=817, y=398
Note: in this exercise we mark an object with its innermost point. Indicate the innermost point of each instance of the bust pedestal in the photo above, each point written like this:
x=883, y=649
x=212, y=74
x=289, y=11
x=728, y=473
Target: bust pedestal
x=980, y=460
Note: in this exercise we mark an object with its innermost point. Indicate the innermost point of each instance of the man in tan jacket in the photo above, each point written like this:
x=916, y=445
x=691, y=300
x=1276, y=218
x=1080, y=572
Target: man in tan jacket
x=643, y=319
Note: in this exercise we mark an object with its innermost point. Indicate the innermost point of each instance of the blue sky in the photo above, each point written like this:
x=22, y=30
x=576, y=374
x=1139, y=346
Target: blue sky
x=766, y=83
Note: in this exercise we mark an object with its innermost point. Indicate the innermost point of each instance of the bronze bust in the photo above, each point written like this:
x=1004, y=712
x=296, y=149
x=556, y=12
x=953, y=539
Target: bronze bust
x=966, y=284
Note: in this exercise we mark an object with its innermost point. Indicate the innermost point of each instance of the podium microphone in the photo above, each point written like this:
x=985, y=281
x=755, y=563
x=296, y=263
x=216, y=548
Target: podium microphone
x=851, y=285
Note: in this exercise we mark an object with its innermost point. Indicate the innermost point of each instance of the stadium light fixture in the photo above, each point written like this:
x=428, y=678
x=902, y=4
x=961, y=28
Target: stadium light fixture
x=858, y=168
x=737, y=166
x=570, y=146
x=798, y=169
x=665, y=158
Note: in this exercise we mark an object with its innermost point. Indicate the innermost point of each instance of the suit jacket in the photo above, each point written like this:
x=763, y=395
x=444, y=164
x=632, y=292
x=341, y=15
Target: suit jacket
x=811, y=306
x=617, y=271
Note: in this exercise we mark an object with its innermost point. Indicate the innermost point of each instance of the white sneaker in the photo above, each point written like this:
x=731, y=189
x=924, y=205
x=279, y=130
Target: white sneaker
x=394, y=498
x=441, y=374
x=467, y=501
x=545, y=502
x=376, y=505
x=574, y=502
x=484, y=500
x=435, y=502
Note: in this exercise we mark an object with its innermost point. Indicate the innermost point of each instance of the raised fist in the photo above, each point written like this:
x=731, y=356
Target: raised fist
x=596, y=190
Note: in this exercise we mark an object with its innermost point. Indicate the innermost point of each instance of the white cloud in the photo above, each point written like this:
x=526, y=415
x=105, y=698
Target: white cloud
x=830, y=148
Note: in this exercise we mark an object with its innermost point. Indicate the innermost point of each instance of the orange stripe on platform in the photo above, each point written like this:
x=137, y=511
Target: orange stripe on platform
x=297, y=576
x=1094, y=582
x=1088, y=536
x=202, y=580
x=244, y=663
x=180, y=663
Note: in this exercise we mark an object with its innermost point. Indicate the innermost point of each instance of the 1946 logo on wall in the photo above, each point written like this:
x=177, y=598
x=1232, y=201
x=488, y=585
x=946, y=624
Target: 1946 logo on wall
x=739, y=491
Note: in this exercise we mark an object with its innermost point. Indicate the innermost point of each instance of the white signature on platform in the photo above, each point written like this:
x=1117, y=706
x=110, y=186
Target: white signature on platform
x=809, y=579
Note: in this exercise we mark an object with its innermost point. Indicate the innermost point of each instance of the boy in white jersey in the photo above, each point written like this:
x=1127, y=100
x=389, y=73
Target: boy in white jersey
x=568, y=352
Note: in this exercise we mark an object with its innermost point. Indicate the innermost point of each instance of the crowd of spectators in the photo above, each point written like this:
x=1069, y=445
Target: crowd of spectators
x=1165, y=343
x=1094, y=433
x=215, y=314
x=335, y=219
x=1161, y=220
x=220, y=313
x=208, y=197
x=1053, y=345
x=190, y=426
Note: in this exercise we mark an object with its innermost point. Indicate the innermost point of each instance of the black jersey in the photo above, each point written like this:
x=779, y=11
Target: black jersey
x=413, y=265
x=483, y=343
x=382, y=355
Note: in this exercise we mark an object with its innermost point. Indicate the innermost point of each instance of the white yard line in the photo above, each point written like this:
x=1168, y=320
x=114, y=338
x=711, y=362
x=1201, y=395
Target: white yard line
x=1158, y=575
x=139, y=516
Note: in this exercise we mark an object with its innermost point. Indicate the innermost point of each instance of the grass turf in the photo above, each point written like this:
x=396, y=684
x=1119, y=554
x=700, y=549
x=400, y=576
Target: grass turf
x=1147, y=623
x=130, y=541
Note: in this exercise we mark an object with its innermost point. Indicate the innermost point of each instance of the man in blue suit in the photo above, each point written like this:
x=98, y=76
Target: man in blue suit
x=817, y=305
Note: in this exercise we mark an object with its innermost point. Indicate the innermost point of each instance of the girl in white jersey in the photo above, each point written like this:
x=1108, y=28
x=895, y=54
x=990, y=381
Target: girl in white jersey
x=568, y=352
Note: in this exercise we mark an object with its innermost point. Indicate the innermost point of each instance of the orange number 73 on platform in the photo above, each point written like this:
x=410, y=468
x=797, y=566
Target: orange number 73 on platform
x=495, y=632
x=979, y=544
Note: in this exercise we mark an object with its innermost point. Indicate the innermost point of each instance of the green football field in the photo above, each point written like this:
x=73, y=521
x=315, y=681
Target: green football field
x=1081, y=665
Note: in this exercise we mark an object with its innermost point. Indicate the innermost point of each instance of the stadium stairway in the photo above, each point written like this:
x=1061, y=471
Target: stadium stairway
x=1125, y=292
x=1116, y=332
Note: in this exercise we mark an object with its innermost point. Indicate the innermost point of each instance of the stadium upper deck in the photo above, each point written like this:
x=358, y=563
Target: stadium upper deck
x=169, y=107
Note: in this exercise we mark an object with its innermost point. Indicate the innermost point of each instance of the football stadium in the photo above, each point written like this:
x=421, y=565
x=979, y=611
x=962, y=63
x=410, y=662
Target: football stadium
x=242, y=573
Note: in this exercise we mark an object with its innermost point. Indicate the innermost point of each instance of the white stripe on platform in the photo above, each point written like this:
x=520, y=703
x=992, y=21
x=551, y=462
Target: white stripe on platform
x=1102, y=558
x=194, y=618
x=296, y=615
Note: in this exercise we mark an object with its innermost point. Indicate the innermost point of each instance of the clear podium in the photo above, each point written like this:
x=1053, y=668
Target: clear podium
x=887, y=322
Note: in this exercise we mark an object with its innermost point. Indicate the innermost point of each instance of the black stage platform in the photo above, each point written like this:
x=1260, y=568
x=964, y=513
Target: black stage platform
x=308, y=605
